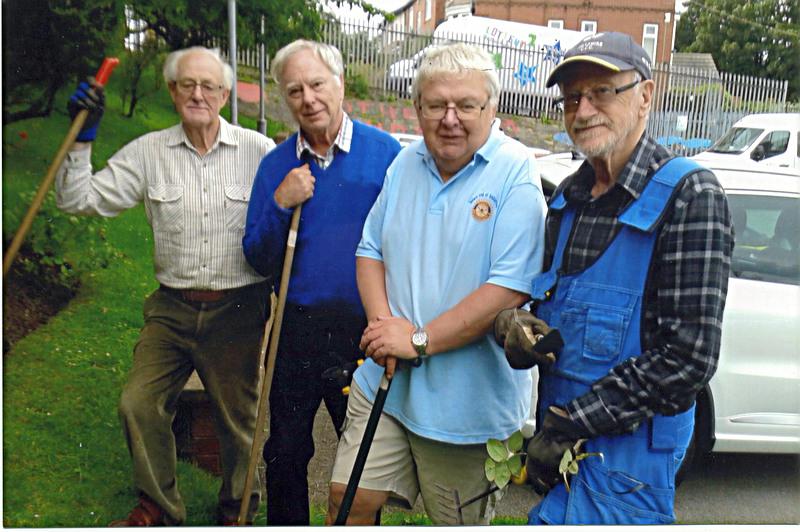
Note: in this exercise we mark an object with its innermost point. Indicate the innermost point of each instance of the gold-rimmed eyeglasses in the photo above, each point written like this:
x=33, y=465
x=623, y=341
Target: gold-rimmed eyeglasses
x=188, y=86
x=465, y=110
x=597, y=96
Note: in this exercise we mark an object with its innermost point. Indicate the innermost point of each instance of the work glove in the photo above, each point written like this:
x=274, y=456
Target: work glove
x=547, y=447
x=518, y=332
x=91, y=98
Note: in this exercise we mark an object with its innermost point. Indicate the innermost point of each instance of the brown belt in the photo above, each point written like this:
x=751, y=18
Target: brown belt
x=197, y=296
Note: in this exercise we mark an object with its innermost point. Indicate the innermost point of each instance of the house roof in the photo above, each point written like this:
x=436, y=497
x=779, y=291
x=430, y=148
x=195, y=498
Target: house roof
x=684, y=60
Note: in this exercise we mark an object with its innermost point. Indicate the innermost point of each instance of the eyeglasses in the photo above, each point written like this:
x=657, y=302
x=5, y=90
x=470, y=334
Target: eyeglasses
x=188, y=86
x=597, y=96
x=465, y=110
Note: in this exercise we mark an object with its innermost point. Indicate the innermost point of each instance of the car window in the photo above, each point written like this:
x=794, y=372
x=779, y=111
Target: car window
x=775, y=143
x=736, y=140
x=767, y=230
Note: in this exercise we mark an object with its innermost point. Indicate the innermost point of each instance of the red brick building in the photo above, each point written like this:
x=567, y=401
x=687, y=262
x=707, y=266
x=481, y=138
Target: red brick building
x=650, y=22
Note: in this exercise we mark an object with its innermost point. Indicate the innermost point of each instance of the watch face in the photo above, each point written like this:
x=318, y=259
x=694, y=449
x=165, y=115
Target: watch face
x=419, y=338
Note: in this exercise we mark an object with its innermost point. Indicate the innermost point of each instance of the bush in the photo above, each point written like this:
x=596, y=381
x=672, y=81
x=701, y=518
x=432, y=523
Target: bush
x=356, y=85
x=63, y=243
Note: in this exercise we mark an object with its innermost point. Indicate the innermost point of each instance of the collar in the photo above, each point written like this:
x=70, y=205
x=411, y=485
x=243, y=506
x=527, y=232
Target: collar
x=646, y=158
x=341, y=142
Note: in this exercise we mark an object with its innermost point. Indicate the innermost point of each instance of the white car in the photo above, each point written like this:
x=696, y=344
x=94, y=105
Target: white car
x=556, y=167
x=752, y=404
x=406, y=138
x=769, y=138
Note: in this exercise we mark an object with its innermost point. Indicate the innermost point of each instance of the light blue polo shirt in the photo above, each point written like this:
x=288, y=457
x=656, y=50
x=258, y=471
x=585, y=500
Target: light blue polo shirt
x=439, y=242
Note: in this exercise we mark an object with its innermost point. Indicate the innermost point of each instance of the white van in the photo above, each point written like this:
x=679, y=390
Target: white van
x=524, y=53
x=768, y=138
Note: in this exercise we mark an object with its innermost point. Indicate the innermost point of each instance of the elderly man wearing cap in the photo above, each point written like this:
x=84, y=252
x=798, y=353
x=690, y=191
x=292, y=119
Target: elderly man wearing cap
x=637, y=255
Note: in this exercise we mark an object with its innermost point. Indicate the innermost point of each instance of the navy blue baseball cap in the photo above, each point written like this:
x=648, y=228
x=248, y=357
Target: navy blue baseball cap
x=613, y=50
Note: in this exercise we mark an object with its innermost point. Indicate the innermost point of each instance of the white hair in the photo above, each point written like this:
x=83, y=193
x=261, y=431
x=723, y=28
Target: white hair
x=330, y=56
x=174, y=58
x=456, y=59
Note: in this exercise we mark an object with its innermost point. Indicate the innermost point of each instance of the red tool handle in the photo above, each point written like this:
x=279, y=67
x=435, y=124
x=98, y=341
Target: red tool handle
x=109, y=63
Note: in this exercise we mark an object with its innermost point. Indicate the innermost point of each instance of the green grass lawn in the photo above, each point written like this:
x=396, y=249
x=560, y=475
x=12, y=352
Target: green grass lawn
x=65, y=463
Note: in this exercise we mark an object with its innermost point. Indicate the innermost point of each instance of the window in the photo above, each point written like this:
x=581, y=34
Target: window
x=650, y=40
x=428, y=9
x=774, y=144
x=767, y=230
x=555, y=23
x=419, y=21
x=589, y=25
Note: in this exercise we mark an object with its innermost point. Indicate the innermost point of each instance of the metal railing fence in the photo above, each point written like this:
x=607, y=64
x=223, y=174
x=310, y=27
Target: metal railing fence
x=691, y=107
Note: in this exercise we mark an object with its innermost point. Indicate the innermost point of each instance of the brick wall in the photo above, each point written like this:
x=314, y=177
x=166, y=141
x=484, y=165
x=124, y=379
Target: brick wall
x=628, y=16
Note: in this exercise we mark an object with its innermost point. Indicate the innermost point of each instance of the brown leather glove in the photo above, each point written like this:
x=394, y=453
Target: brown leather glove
x=545, y=450
x=517, y=332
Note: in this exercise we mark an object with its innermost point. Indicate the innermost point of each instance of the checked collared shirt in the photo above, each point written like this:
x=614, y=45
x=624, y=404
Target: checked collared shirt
x=196, y=204
x=684, y=296
x=340, y=143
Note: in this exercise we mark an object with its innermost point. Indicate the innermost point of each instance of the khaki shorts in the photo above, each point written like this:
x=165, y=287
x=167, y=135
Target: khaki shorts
x=405, y=465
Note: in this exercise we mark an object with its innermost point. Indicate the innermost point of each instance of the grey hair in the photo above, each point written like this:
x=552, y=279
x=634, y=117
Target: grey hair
x=171, y=64
x=456, y=59
x=327, y=53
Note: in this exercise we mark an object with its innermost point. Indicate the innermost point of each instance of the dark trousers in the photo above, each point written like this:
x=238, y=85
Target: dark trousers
x=312, y=341
x=221, y=341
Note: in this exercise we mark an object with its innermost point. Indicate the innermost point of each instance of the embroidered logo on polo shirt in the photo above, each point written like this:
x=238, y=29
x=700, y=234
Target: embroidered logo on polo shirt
x=482, y=207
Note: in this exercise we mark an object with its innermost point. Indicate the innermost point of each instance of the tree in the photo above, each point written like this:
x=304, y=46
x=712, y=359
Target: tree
x=47, y=43
x=755, y=38
x=182, y=23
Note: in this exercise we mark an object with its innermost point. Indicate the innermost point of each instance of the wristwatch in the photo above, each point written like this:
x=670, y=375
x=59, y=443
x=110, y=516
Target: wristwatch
x=419, y=339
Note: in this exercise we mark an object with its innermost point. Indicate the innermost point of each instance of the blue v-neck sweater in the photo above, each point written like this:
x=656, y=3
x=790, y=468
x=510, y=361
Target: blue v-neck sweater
x=323, y=272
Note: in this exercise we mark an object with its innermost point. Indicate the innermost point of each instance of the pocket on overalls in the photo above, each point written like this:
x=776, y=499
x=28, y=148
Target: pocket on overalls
x=598, y=334
x=599, y=496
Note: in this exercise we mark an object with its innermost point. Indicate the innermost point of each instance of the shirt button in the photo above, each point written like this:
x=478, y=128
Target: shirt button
x=205, y=241
x=205, y=214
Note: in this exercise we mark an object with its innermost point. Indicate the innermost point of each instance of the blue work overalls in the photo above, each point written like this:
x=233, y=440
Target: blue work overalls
x=599, y=313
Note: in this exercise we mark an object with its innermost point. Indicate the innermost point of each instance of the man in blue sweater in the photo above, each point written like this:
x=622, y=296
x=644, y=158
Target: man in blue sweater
x=334, y=167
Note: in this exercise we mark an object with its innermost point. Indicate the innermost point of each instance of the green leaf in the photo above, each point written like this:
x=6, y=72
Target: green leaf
x=515, y=464
x=502, y=474
x=497, y=450
x=490, y=467
x=566, y=459
x=572, y=468
x=515, y=442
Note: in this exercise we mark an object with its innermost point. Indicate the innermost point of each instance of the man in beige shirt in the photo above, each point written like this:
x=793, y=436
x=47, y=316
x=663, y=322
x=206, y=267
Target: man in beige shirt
x=209, y=311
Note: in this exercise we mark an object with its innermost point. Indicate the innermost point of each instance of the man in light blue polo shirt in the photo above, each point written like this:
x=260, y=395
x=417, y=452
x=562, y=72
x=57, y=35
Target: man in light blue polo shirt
x=455, y=236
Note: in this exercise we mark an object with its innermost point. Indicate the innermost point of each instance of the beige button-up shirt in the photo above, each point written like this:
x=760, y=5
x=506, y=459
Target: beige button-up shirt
x=196, y=204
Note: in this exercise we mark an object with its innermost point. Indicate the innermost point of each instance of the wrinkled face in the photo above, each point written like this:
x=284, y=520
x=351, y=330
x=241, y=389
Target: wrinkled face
x=452, y=141
x=598, y=129
x=313, y=93
x=197, y=93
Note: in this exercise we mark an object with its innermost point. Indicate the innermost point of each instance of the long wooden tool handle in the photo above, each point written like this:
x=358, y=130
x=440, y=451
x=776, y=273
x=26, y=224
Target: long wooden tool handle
x=77, y=124
x=266, y=385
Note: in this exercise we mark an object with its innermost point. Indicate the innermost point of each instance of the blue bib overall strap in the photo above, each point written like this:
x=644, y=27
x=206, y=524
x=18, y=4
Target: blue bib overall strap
x=599, y=312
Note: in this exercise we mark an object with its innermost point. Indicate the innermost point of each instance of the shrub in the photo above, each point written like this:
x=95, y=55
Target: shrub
x=64, y=243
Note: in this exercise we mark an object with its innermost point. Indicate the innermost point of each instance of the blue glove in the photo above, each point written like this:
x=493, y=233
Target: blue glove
x=93, y=100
